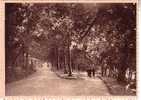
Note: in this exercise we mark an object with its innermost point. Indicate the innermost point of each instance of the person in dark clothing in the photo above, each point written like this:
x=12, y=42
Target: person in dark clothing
x=93, y=71
x=89, y=72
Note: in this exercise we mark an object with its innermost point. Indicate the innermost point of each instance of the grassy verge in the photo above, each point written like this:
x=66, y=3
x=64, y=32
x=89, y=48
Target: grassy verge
x=115, y=88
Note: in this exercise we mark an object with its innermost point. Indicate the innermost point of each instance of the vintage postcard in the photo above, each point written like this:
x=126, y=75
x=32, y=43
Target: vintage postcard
x=69, y=49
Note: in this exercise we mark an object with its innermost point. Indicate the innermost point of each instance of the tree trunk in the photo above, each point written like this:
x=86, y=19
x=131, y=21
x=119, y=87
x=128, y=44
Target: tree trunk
x=65, y=64
x=26, y=61
x=58, y=61
x=102, y=71
x=121, y=76
x=56, y=58
x=69, y=57
x=123, y=63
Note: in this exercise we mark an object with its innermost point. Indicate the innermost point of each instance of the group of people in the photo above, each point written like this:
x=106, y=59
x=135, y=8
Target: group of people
x=91, y=72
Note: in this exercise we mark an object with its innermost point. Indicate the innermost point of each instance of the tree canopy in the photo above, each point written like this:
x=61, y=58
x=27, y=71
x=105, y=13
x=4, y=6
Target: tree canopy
x=103, y=32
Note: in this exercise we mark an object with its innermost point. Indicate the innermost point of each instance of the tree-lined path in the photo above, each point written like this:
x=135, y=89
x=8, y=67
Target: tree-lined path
x=74, y=38
x=45, y=82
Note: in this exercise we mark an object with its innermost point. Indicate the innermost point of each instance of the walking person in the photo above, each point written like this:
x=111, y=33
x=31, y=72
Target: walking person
x=89, y=71
x=93, y=71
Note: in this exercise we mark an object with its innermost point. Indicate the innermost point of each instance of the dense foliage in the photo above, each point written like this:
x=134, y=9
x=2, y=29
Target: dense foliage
x=74, y=36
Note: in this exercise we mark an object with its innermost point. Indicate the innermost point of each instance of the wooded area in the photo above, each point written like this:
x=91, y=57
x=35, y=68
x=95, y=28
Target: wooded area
x=72, y=36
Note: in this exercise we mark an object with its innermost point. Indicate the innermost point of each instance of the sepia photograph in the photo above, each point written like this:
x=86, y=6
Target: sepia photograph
x=70, y=49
